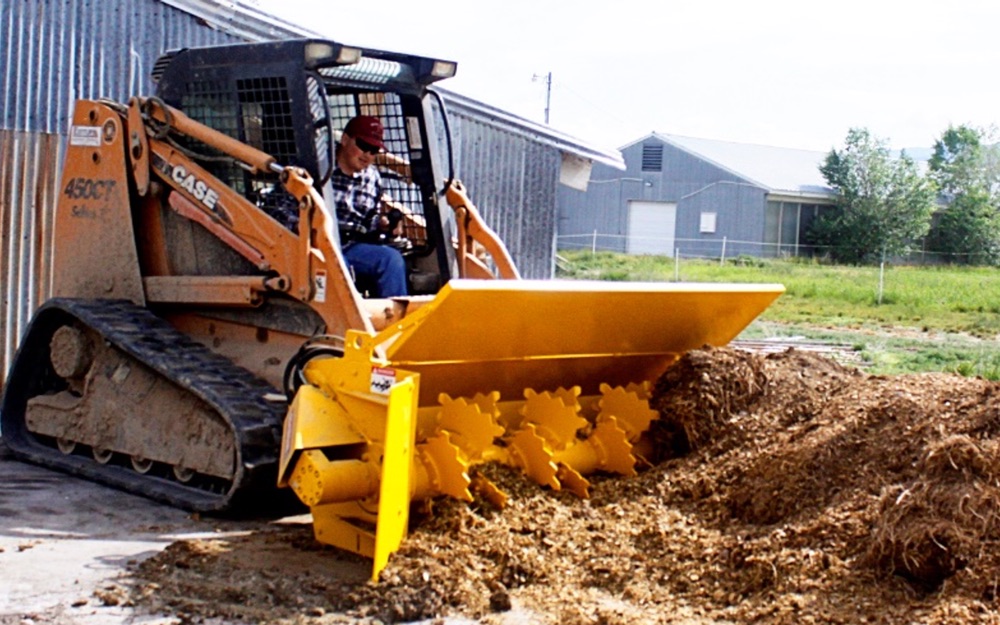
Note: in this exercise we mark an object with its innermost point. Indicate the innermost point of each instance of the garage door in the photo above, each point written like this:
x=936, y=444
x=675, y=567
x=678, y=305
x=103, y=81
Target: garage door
x=651, y=227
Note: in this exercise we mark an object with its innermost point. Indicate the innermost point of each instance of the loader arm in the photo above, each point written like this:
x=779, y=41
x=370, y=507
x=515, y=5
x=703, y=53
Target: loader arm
x=306, y=265
x=472, y=230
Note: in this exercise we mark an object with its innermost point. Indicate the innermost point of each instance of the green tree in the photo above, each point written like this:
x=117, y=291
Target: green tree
x=884, y=205
x=967, y=171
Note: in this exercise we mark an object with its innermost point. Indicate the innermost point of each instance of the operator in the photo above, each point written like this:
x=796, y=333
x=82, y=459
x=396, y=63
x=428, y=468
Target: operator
x=361, y=210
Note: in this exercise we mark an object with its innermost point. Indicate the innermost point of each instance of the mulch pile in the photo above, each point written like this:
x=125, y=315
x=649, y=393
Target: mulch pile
x=783, y=488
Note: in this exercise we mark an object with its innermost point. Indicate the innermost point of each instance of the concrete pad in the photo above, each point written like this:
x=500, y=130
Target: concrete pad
x=65, y=541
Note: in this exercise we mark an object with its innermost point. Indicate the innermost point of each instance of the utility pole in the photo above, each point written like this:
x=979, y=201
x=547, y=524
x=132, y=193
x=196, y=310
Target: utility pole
x=548, y=92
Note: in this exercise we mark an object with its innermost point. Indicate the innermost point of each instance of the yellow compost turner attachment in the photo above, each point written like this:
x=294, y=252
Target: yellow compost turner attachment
x=550, y=377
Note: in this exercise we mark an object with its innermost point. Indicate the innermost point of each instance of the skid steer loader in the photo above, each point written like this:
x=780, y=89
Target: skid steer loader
x=206, y=346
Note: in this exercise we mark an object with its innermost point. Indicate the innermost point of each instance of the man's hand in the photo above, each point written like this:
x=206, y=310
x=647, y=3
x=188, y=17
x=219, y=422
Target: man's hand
x=407, y=217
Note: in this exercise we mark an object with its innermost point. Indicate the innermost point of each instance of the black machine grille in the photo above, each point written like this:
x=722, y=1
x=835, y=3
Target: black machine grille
x=261, y=116
x=259, y=112
x=400, y=189
x=266, y=113
x=211, y=103
x=266, y=117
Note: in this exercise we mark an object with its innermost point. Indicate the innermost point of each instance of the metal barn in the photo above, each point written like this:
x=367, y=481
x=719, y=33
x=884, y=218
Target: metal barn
x=697, y=197
x=53, y=52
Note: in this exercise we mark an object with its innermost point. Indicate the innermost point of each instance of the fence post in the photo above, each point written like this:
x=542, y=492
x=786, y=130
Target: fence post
x=593, y=243
x=677, y=264
x=881, y=280
x=722, y=257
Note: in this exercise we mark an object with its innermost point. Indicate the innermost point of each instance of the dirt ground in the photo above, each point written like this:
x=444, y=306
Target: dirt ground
x=785, y=488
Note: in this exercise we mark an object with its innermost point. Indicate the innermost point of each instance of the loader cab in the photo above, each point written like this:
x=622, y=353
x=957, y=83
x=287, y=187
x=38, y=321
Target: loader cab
x=292, y=99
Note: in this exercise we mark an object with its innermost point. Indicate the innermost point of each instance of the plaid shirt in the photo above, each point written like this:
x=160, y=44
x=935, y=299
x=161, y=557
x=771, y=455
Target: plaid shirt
x=357, y=200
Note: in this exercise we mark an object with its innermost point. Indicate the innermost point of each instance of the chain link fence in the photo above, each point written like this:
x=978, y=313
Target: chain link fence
x=726, y=248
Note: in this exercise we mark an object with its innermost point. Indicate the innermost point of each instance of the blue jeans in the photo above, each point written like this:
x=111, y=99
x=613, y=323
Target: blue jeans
x=378, y=267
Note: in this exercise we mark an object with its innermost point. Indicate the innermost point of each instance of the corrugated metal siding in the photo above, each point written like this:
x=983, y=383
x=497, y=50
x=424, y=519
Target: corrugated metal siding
x=740, y=219
x=598, y=217
x=53, y=52
x=512, y=180
x=698, y=185
x=29, y=166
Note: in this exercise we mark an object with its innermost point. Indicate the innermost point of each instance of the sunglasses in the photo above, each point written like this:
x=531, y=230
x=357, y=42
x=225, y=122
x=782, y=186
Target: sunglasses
x=366, y=147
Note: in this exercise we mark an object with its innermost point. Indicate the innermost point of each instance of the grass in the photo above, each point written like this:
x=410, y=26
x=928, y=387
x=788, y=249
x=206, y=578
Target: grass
x=922, y=318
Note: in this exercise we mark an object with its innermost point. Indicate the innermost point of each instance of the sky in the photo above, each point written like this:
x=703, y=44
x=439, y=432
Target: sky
x=794, y=74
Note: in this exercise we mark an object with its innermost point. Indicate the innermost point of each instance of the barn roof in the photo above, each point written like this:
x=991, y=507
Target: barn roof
x=242, y=20
x=780, y=170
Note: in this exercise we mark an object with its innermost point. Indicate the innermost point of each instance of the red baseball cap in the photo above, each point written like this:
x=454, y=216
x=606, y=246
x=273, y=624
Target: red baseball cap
x=366, y=128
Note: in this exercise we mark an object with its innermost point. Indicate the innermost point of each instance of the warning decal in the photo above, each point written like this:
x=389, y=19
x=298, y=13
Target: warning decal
x=89, y=136
x=382, y=380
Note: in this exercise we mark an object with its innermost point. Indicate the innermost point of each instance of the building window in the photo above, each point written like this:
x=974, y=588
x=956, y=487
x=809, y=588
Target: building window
x=652, y=157
x=707, y=224
x=786, y=228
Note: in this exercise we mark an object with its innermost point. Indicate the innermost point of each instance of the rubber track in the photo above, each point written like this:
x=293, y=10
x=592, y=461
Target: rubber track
x=235, y=393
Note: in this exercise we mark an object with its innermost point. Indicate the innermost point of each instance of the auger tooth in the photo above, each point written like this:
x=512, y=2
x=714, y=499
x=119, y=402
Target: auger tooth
x=630, y=406
x=441, y=470
x=611, y=442
x=485, y=488
x=555, y=415
x=472, y=424
x=487, y=403
x=570, y=396
x=527, y=451
x=606, y=449
x=572, y=481
x=643, y=390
